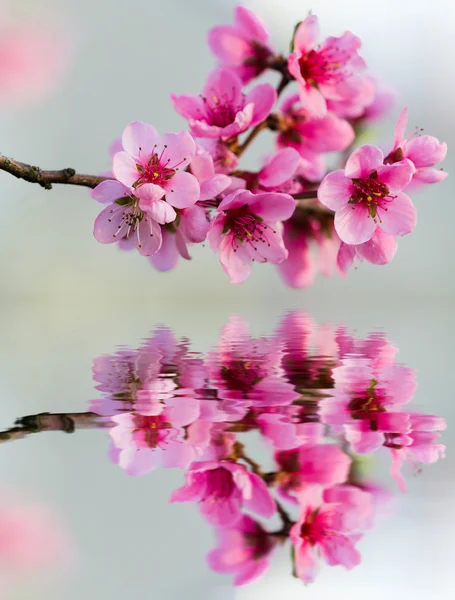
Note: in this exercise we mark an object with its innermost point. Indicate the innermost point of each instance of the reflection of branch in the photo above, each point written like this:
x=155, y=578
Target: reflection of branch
x=46, y=178
x=66, y=422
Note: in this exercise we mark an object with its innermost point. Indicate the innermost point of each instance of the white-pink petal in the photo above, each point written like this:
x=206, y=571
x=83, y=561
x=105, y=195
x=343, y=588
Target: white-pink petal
x=400, y=218
x=396, y=176
x=182, y=190
x=281, y=167
x=263, y=96
x=307, y=34
x=335, y=190
x=109, y=191
x=124, y=168
x=363, y=161
x=354, y=224
x=138, y=139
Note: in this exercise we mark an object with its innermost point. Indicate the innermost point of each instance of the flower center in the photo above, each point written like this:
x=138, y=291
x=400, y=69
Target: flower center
x=241, y=375
x=371, y=193
x=247, y=228
x=310, y=531
x=154, y=429
x=221, y=111
x=367, y=407
x=156, y=171
x=321, y=66
x=132, y=215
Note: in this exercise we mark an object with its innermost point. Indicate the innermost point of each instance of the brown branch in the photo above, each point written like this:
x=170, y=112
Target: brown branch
x=66, y=422
x=47, y=178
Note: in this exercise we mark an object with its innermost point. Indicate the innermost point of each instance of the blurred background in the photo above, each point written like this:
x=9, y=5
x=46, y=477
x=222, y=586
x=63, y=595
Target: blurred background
x=65, y=299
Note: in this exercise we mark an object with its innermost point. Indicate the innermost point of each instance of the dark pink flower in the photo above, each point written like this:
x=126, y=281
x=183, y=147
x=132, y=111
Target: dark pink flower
x=368, y=194
x=247, y=228
x=243, y=550
x=424, y=151
x=222, y=490
x=301, y=130
x=329, y=526
x=243, y=47
x=379, y=250
x=154, y=166
x=223, y=111
x=328, y=71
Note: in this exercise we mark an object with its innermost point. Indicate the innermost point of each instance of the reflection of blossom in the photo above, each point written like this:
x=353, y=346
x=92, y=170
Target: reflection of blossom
x=222, y=489
x=313, y=394
x=329, y=525
x=243, y=549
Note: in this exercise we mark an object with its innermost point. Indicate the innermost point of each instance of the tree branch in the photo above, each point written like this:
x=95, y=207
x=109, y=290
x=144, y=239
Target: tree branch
x=47, y=178
x=66, y=422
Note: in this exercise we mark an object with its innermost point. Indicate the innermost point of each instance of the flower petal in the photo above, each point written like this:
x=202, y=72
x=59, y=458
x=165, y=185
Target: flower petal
x=396, y=176
x=313, y=101
x=228, y=45
x=250, y=24
x=176, y=150
x=354, y=224
x=272, y=206
x=160, y=211
x=235, y=261
x=263, y=96
x=425, y=151
x=400, y=128
x=182, y=190
x=148, y=236
x=124, y=168
x=307, y=34
x=110, y=225
x=363, y=161
x=261, y=501
x=400, y=217
x=109, y=191
x=281, y=167
x=189, y=106
x=380, y=249
x=346, y=256
x=335, y=190
x=138, y=139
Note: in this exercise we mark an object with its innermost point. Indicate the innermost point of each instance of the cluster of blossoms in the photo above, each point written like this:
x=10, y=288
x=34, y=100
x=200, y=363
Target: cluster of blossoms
x=318, y=397
x=176, y=189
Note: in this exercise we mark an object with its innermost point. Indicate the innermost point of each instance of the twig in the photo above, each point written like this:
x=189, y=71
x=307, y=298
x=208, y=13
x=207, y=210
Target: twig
x=66, y=422
x=47, y=178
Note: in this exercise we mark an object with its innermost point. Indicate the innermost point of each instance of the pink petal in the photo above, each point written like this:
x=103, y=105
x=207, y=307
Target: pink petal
x=380, y=249
x=250, y=24
x=400, y=128
x=396, y=176
x=400, y=217
x=139, y=139
x=124, y=168
x=222, y=512
x=202, y=164
x=109, y=224
x=346, y=256
x=243, y=120
x=109, y=191
x=202, y=129
x=306, y=563
x=263, y=96
x=261, y=501
x=222, y=84
x=340, y=550
x=363, y=161
x=195, y=223
x=313, y=101
x=251, y=571
x=270, y=249
x=160, y=211
x=425, y=151
x=148, y=194
x=236, y=264
x=137, y=461
x=148, y=236
x=215, y=232
x=354, y=224
x=395, y=469
x=429, y=175
x=307, y=34
x=211, y=188
x=335, y=190
x=182, y=190
x=273, y=206
x=189, y=106
x=176, y=150
x=298, y=269
x=279, y=168
x=328, y=134
x=228, y=45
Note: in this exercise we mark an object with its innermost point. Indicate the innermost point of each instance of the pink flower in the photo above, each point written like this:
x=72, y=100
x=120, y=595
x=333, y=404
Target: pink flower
x=127, y=219
x=328, y=71
x=154, y=166
x=306, y=133
x=424, y=151
x=223, y=111
x=243, y=47
x=367, y=195
x=211, y=183
x=190, y=227
x=247, y=228
x=223, y=489
x=329, y=526
x=379, y=250
x=243, y=549
x=319, y=464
